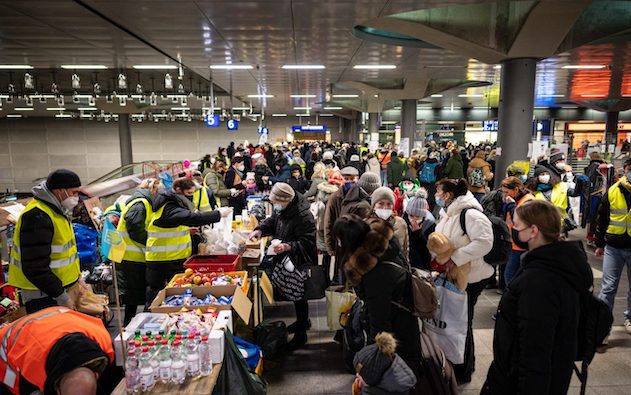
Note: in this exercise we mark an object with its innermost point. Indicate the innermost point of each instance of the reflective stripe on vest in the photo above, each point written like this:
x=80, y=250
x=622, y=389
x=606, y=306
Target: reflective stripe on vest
x=64, y=259
x=201, y=201
x=134, y=252
x=167, y=244
x=619, y=213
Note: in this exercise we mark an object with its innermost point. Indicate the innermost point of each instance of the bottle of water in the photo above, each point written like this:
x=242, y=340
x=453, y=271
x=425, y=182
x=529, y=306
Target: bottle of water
x=192, y=357
x=205, y=360
x=164, y=357
x=146, y=371
x=153, y=360
x=132, y=373
x=178, y=366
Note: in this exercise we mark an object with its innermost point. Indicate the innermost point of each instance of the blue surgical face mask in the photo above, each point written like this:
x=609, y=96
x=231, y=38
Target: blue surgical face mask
x=523, y=178
x=440, y=202
x=348, y=185
x=629, y=175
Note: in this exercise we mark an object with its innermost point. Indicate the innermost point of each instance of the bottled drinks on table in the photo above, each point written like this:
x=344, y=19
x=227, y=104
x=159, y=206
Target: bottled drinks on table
x=146, y=371
x=178, y=366
x=164, y=357
x=153, y=360
x=205, y=360
x=137, y=335
x=192, y=357
x=131, y=345
x=132, y=373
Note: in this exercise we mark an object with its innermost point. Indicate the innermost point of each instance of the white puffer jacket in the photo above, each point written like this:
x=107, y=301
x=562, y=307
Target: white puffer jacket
x=479, y=241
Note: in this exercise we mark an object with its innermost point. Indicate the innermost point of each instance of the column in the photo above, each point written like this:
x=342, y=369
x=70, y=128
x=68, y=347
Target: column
x=611, y=128
x=517, y=95
x=124, y=137
x=373, y=122
x=408, y=123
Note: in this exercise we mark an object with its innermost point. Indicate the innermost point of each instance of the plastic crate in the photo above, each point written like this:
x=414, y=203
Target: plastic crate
x=213, y=263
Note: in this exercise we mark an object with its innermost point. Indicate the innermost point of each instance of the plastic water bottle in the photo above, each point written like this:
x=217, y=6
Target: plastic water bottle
x=192, y=357
x=178, y=366
x=205, y=360
x=132, y=373
x=164, y=357
x=153, y=360
x=146, y=371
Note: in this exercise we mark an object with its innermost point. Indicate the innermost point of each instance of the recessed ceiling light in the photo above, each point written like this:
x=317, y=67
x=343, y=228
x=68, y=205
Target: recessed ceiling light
x=303, y=67
x=584, y=66
x=471, y=95
x=345, y=96
x=303, y=115
x=374, y=66
x=14, y=115
x=326, y=115
x=240, y=108
x=23, y=108
x=63, y=116
x=231, y=67
x=15, y=67
x=497, y=66
x=302, y=96
x=332, y=108
x=180, y=108
x=449, y=108
x=55, y=109
x=437, y=95
x=388, y=122
x=87, y=108
x=480, y=108
x=154, y=67
x=279, y=115
x=302, y=108
x=260, y=96
x=83, y=66
x=42, y=96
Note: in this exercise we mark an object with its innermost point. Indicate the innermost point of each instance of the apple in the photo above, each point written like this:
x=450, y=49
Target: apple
x=188, y=272
x=207, y=284
x=197, y=279
x=187, y=280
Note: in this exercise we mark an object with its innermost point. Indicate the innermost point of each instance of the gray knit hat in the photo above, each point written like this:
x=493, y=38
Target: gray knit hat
x=350, y=171
x=369, y=182
x=383, y=193
x=372, y=361
x=418, y=205
x=282, y=193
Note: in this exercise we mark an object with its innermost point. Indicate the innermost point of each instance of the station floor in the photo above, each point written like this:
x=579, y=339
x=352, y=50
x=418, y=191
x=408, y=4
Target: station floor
x=317, y=368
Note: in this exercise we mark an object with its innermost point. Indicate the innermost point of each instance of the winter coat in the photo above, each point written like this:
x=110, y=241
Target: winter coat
x=231, y=177
x=356, y=201
x=325, y=190
x=420, y=256
x=330, y=164
x=398, y=379
x=136, y=216
x=214, y=181
x=478, y=241
x=259, y=172
x=335, y=209
x=478, y=163
x=178, y=211
x=396, y=169
x=535, y=337
x=454, y=169
x=373, y=166
x=359, y=165
x=295, y=226
x=313, y=189
x=401, y=234
x=282, y=175
x=300, y=184
x=379, y=284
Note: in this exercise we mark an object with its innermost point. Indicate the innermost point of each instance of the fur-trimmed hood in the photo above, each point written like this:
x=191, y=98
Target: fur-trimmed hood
x=375, y=244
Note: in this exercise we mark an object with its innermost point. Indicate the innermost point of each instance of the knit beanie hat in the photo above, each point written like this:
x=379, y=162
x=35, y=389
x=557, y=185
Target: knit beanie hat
x=369, y=182
x=418, y=205
x=62, y=179
x=541, y=169
x=372, y=361
x=556, y=155
x=354, y=158
x=382, y=193
x=327, y=155
x=282, y=193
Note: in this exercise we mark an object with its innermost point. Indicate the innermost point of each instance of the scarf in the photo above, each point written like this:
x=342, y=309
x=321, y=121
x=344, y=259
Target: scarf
x=544, y=187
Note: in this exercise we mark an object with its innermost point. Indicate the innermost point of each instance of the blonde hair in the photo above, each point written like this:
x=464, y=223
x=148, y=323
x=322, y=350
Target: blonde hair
x=153, y=185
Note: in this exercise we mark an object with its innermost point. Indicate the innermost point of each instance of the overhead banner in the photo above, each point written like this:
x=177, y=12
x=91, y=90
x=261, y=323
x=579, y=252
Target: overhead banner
x=309, y=128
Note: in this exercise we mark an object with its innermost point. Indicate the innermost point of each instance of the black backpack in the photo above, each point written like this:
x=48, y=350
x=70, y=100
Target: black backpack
x=355, y=335
x=501, y=239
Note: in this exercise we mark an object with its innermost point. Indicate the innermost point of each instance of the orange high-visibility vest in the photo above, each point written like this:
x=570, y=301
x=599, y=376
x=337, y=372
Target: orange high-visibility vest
x=25, y=343
x=509, y=220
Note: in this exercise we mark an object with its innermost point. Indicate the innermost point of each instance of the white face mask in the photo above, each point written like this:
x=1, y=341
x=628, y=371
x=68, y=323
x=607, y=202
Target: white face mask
x=383, y=213
x=544, y=178
x=70, y=203
x=560, y=165
x=569, y=176
x=241, y=167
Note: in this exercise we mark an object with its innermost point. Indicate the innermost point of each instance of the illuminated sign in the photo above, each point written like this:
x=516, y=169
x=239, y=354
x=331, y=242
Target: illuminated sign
x=308, y=128
x=232, y=124
x=212, y=120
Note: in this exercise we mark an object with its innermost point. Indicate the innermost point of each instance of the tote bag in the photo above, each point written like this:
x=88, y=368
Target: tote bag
x=339, y=300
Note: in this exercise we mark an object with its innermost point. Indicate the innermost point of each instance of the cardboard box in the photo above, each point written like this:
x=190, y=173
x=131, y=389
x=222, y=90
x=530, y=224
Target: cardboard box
x=244, y=274
x=144, y=322
x=241, y=304
x=251, y=257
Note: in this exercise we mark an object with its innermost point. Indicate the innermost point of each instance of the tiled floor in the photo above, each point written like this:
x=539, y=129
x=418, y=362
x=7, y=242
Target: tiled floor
x=317, y=368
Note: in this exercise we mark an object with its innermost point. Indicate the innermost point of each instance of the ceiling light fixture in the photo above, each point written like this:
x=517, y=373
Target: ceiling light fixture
x=56, y=109
x=14, y=115
x=302, y=108
x=437, y=95
x=345, y=96
x=87, y=108
x=23, y=108
x=231, y=66
x=326, y=115
x=63, y=116
x=154, y=67
x=302, y=96
x=471, y=95
x=15, y=67
x=279, y=115
x=303, y=115
x=374, y=66
x=260, y=96
x=180, y=108
x=240, y=108
x=584, y=66
x=83, y=67
x=332, y=108
x=497, y=66
x=303, y=67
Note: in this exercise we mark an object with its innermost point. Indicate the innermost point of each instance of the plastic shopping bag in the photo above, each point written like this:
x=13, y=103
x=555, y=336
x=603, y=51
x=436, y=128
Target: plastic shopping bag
x=338, y=301
x=448, y=328
x=235, y=376
x=86, y=237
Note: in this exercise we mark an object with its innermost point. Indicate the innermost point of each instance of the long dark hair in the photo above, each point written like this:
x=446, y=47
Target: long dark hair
x=348, y=232
x=457, y=187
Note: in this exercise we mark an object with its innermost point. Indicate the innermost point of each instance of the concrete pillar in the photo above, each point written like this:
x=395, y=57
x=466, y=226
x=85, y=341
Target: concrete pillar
x=517, y=95
x=611, y=127
x=408, y=122
x=373, y=122
x=124, y=138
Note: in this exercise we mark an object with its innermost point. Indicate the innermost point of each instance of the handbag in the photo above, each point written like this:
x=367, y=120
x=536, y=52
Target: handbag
x=448, y=328
x=315, y=282
x=339, y=300
x=235, y=376
x=289, y=284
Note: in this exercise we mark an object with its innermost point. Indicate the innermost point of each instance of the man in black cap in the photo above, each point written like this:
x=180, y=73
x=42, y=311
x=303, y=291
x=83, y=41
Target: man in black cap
x=44, y=261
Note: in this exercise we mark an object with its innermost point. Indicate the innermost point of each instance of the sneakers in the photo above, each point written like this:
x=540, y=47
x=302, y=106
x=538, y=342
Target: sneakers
x=627, y=325
x=292, y=328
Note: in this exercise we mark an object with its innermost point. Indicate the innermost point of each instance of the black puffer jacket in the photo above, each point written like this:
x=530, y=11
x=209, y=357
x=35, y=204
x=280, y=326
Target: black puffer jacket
x=136, y=216
x=537, y=319
x=300, y=184
x=295, y=226
x=178, y=211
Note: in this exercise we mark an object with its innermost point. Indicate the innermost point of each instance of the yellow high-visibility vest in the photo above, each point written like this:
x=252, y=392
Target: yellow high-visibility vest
x=619, y=213
x=134, y=252
x=558, y=197
x=167, y=244
x=201, y=201
x=64, y=260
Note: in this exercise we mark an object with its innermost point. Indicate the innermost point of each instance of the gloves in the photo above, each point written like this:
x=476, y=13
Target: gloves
x=64, y=300
x=225, y=211
x=234, y=192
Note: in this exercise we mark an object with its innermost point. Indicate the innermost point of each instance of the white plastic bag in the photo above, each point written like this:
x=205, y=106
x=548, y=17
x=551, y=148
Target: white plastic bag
x=448, y=328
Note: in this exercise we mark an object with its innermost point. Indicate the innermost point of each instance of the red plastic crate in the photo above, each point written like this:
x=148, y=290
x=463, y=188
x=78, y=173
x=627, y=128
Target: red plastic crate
x=212, y=263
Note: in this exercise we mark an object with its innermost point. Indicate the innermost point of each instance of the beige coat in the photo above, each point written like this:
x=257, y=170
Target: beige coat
x=486, y=170
x=401, y=233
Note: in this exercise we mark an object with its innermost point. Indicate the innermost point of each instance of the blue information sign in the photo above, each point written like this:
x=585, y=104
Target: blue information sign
x=212, y=120
x=232, y=124
x=309, y=128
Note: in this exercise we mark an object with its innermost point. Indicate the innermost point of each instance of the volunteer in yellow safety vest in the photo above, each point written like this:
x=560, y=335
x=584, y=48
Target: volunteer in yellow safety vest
x=44, y=260
x=132, y=226
x=203, y=199
x=613, y=240
x=551, y=188
x=169, y=241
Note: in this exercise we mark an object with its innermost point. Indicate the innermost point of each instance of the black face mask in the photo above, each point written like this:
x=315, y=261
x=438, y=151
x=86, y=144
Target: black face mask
x=189, y=197
x=521, y=244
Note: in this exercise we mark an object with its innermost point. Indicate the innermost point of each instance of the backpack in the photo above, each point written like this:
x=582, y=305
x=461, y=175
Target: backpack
x=428, y=173
x=438, y=374
x=355, y=335
x=476, y=178
x=502, y=244
x=423, y=292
